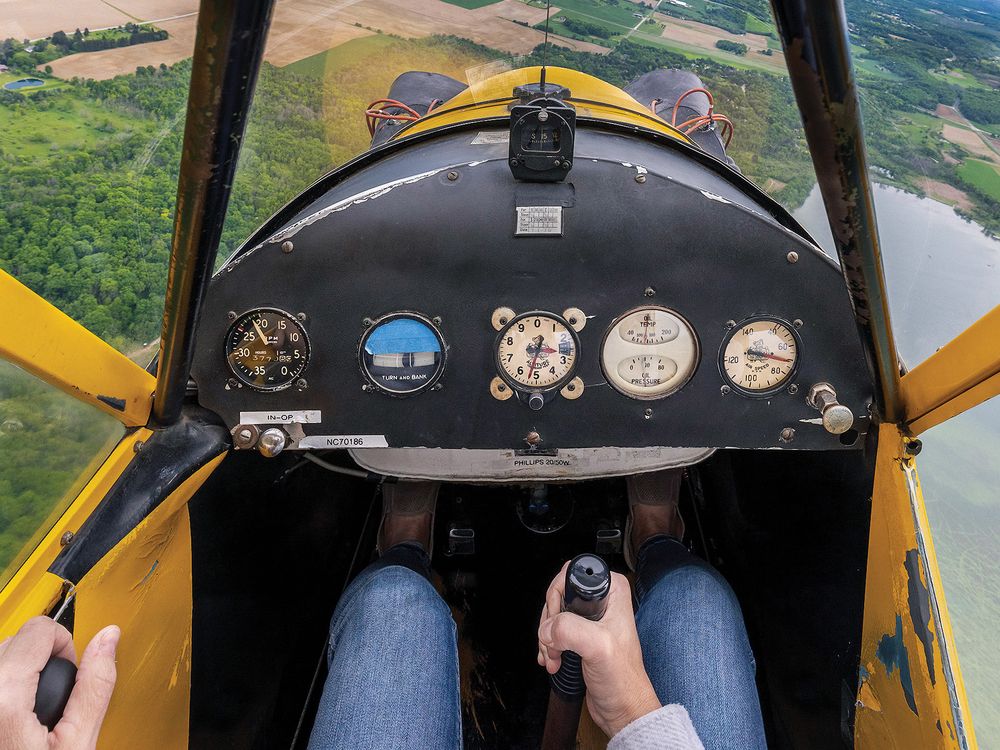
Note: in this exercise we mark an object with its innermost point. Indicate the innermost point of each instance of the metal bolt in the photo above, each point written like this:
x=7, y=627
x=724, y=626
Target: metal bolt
x=453, y=176
x=572, y=321
x=437, y=387
x=301, y=384
x=513, y=162
x=244, y=436
x=66, y=539
x=233, y=383
x=730, y=324
x=648, y=292
x=366, y=388
x=287, y=247
x=725, y=390
x=501, y=388
x=913, y=447
x=503, y=321
x=436, y=320
x=793, y=257
x=137, y=446
x=787, y=435
x=231, y=315
x=648, y=414
x=301, y=317
x=543, y=116
x=640, y=178
x=793, y=389
x=797, y=323
x=571, y=386
x=367, y=322
x=567, y=164
x=532, y=438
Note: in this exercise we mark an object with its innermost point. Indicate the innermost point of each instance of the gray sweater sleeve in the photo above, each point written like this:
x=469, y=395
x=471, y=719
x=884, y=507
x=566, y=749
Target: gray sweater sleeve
x=669, y=728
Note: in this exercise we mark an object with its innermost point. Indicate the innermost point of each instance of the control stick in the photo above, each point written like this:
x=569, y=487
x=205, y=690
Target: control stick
x=588, y=583
x=55, y=683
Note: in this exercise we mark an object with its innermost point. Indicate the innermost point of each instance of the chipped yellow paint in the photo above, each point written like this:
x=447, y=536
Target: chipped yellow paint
x=66, y=355
x=884, y=717
x=32, y=591
x=591, y=96
x=143, y=585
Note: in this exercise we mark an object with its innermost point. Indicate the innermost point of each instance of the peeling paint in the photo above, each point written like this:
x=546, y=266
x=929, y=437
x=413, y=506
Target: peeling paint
x=714, y=197
x=919, y=601
x=118, y=404
x=892, y=653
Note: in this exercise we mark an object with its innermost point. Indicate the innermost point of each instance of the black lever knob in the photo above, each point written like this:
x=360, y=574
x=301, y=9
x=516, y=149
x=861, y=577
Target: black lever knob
x=55, y=683
x=588, y=583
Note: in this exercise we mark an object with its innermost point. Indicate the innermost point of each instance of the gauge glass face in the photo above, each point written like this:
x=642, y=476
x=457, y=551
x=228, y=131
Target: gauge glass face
x=537, y=351
x=760, y=356
x=649, y=353
x=402, y=354
x=267, y=349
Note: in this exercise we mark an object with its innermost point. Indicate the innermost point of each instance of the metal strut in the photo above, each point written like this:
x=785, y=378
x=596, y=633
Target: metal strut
x=227, y=54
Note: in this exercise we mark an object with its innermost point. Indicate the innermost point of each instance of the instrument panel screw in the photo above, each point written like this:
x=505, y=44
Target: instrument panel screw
x=797, y=323
x=231, y=315
x=367, y=322
x=437, y=387
x=730, y=324
x=233, y=383
x=453, y=176
x=301, y=317
x=436, y=320
x=532, y=438
x=503, y=321
x=567, y=164
x=793, y=389
x=137, y=446
x=787, y=435
x=640, y=178
x=287, y=247
x=913, y=447
x=366, y=388
x=572, y=321
x=648, y=414
x=648, y=292
x=571, y=386
x=501, y=388
x=793, y=257
x=301, y=384
x=724, y=390
x=513, y=162
x=66, y=539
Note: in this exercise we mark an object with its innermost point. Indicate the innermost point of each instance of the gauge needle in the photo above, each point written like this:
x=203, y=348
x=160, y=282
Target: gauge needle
x=538, y=350
x=767, y=355
x=260, y=333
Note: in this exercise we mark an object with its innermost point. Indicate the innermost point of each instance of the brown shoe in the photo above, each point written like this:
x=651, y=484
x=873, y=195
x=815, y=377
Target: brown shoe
x=408, y=514
x=652, y=509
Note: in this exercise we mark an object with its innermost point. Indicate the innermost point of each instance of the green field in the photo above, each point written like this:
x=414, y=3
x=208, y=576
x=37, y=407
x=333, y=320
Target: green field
x=67, y=124
x=958, y=78
x=472, y=4
x=983, y=175
x=617, y=15
x=325, y=63
x=756, y=26
x=692, y=52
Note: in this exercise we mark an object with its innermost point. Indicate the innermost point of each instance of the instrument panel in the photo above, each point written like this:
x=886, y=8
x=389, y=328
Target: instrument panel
x=407, y=307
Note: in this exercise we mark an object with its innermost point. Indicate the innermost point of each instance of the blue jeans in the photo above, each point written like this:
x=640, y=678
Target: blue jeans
x=694, y=646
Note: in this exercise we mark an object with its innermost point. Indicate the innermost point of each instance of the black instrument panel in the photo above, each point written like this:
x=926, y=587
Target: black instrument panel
x=399, y=275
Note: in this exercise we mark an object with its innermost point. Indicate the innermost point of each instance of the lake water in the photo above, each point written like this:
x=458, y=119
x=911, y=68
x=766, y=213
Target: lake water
x=942, y=274
x=24, y=83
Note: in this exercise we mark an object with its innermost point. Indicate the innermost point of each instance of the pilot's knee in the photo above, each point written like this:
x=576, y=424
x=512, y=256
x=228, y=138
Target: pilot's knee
x=396, y=596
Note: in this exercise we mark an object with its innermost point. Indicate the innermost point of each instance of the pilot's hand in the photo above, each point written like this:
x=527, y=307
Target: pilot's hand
x=22, y=657
x=618, y=688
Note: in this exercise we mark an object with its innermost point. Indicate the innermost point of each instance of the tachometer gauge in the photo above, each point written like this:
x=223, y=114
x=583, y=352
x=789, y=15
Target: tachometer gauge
x=649, y=353
x=760, y=356
x=537, y=351
x=402, y=354
x=267, y=349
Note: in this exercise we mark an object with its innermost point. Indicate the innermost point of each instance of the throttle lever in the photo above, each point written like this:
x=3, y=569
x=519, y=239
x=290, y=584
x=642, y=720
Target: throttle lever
x=588, y=583
x=55, y=683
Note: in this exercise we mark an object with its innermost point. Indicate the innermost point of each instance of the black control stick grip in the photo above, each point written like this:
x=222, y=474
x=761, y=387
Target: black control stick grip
x=55, y=683
x=588, y=583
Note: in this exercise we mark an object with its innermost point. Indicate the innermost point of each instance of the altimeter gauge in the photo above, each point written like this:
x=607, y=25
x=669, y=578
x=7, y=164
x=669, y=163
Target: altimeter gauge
x=267, y=349
x=760, y=356
x=537, y=351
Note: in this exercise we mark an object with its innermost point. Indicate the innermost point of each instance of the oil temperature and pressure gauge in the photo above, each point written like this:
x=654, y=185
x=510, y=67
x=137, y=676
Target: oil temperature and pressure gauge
x=267, y=349
x=760, y=356
x=649, y=353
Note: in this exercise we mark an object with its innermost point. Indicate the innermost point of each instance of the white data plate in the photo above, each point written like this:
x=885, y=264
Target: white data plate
x=302, y=416
x=343, y=441
x=539, y=220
